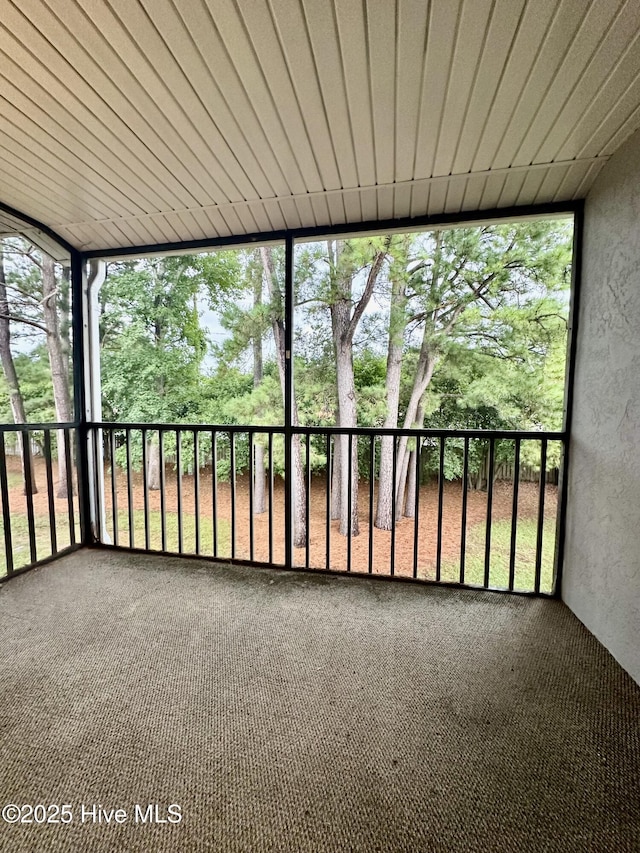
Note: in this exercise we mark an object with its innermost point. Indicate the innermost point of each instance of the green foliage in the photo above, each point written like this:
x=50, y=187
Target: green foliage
x=34, y=376
x=491, y=302
x=152, y=341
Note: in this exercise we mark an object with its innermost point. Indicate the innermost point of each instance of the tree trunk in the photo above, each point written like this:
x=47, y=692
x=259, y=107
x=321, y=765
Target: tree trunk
x=345, y=316
x=277, y=325
x=341, y=304
x=258, y=449
x=58, y=364
x=348, y=418
x=424, y=372
x=258, y=479
x=412, y=476
x=397, y=325
x=9, y=370
x=153, y=465
x=336, y=479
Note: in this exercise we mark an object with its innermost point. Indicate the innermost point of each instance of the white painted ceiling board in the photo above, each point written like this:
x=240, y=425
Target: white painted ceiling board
x=475, y=18
x=65, y=69
x=443, y=28
x=352, y=208
x=401, y=200
x=413, y=16
x=381, y=38
x=66, y=189
x=170, y=120
x=437, y=197
x=455, y=196
x=261, y=30
x=552, y=183
x=68, y=137
x=291, y=28
x=590, y=37
x=473, y=189
x=327, y=64
x=612, y=115
x=511, y=189
x=419, y=199
x=531, y=185
x=36, y=186
x=241, y=159
x=531, y=32
x=502, y=28
x=492, y=190
x=257, y=123
x=174, y=93
x=545, y=72
x=352, y=34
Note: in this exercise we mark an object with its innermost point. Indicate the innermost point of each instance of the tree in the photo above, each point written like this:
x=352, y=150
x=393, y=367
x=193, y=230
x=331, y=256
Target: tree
x=258, y=484
x=8, y=366
x=276, y=312
x=152, y=341
x=399, y=275
x=58, y=350
x=482, y=288
x=42, y=304
x=339, y=278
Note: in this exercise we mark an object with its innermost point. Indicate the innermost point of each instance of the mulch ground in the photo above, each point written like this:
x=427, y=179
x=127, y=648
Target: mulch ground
x=256, y=546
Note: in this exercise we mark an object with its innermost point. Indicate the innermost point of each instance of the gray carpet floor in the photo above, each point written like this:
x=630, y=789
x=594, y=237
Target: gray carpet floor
x=298, y=712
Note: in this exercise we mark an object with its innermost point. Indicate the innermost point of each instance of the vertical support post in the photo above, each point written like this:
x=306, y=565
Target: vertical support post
x=572, y=346
x=288, y=403
x=80, y=325
x=88, y=395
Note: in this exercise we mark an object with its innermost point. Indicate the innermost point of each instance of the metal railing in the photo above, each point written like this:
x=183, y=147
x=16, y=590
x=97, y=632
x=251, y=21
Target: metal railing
x=222, y=492
x=38, y=494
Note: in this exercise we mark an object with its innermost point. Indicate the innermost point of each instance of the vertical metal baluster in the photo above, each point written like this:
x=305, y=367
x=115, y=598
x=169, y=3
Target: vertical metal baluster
x=270, y=497
x=251, y=488
x=93, y=438
x=394, y=477
x=214, y=489
x=28, y=490
x=114, y=487
x=372, y=460
x=196, y=485
x=50, y=496
x=67, y=439
x=130, y=489
x=179, y=489
x=6, y=510
x=145, y=492
x=514, y=516
x=487, y=543
x=163, y=490
x=349, y=497
x=307, y=498
x=543, y=480
x=440, y=507
x=232, y=443
x=328, y=508
x=416, y=520
x=463, y=521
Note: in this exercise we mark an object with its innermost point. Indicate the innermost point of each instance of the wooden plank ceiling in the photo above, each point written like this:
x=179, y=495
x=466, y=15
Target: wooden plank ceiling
x=130, y=122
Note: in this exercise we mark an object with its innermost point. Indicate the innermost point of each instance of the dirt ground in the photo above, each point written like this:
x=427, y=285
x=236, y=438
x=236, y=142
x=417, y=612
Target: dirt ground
x=256, y=546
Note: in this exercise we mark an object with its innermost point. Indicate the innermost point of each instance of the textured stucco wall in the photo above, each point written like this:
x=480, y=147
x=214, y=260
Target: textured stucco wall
x=602, y=558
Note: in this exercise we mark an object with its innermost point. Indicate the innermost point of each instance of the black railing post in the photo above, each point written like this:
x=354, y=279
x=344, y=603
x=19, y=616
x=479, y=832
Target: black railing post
x=570, y=371
x=288, y=403
x=79, y=325
x=6, y=511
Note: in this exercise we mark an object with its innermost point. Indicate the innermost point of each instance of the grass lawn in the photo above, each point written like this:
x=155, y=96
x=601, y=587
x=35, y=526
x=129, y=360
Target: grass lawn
x=500, y=550
x=474, y=564
x=188, y=532
x=20, y=538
